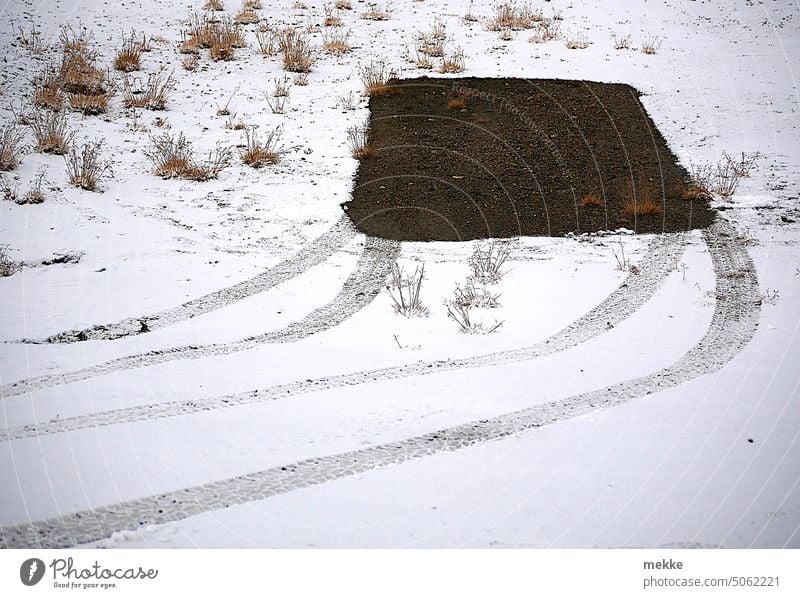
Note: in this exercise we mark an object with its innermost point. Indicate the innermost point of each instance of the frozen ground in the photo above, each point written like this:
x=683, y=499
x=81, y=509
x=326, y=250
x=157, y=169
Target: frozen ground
x=277, y=400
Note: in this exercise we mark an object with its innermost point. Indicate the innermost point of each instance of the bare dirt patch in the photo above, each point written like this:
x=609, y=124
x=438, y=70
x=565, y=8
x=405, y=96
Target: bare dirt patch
x=471, y=158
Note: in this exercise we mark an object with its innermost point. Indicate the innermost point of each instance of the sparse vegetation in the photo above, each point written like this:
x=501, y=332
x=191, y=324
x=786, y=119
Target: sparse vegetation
x=35, y=194
x=545, y=30
x=51, y=132
x=460, y=314
x=90, y=104
x=246, y=16
x=298, y=56
x=214, y=5
x=623, y=263
x=641, y=200
x=47, y=91
x=487, y=261
x=128, y=58
x=358, y=142
x=513, y=16
x=336, y=42
x=11, y=138
x=172, y=157
x=455, y=100
x=375, y=76
x=577, y=41
x=621, y=41
x=650, y=43
x=404, y=290
x=258, y=153
x=375, y=13
x=152, y=94
x=473, y=295
x=721, y=178
x=7, y=265
x=591, y=199
x=85, y=167
x=454, y=63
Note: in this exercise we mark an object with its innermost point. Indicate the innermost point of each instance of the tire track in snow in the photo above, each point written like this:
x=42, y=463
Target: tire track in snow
x=733, y=324
x=660, y=259
x=311, y=255
x=361, y=287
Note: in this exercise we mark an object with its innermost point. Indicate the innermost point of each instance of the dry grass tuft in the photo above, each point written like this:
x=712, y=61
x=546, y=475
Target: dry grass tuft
x=577, y=41
x=298, y=57
x=300, y=79
x=128, y=58
x=7, y=265
x=456, y=100
x=50, y=132
x=73, y=41
x=246, y=16
x=258, y=153
x=621, y=41
x=591, y=199
x=376, y=13
x=90, y=104
x=546, y=30
x=510, y=15
x=152, y=95
x=47, y=91
x=358, y=140
x=641, y=200
x=336, y=42
x=331, y=18
x=172, y=157
x=454, y=63
x=85, y=167
x=214, y=5
x=650, y=43
x=11, y=147
x=404, y=290
x=343, y=4
x=376, y=76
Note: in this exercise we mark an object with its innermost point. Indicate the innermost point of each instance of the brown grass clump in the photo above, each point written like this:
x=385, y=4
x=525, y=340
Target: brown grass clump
x=454, y=63
x=298, y=57
x=225, y=38
x=246, y=16
x=591, y=199
x=343, y=5
x=358, y=140
x=11, y=138
x=336, y=42
x=376, y=77
x=641, y=200
x=650, y=43
x=214, y=5
x=695, y=192
x=85, y=167
x=252, y=5
x=73, y=41
x=152, y=95
x=48, y=97
x=511, y=16
x=376, y=13
x=172, y=157
x=79, y=74
x=129, y=55
x=331, y=18
x=90, y=104
x=455, y=100
x=50, y=132
x=257, y=153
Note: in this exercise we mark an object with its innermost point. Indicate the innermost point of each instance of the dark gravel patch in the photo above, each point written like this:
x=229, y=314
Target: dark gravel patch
x=517, y=160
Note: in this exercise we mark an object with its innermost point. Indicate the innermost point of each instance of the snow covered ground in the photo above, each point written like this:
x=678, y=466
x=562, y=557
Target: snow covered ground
x=278, y=401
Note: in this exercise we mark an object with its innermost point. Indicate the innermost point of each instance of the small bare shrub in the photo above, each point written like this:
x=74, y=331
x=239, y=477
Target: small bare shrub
x=487, y=261
x=509, y=15
x=300, y=79
x=375, y=77
x=281, y=87
x=172, y=157
x=347, y=102
x=232, y=123
x=336, y=42
x=258, y=153
x=623, y=263
x=473, y=295
x=454, y=63
x=35, y=195
x=152, y=94
x=11, y=137
x=545, y=31
x=51, y=132
x=744, y=165
x=7, y=265
x=73, y=41
x=422, y=60
x=85, y=167
x=268, y=42
x=577, y=41
x=298, y=57
x=8, y=189
x=650, y=43
x=358, y=139
x=190, y=63
x=621, y=41
x=30, y=40
x=128, y=58
x=375, y=13
x=277, y=105
x=404, y=290
x=331, y=18
x=461, y=315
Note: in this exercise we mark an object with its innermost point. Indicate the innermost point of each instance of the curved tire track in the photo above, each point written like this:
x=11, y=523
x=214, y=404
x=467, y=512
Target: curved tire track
x=661, y=258
x=361, y=287
x=733, y=324
x=312, y=254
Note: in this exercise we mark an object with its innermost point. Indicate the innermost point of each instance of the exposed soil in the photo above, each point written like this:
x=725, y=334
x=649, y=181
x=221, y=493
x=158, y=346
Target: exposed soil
x=518, y=159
